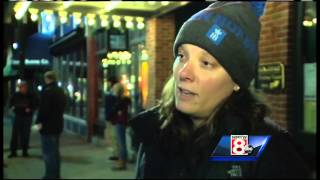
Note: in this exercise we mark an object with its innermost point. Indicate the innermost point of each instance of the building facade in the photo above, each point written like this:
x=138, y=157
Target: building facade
x=85, y=56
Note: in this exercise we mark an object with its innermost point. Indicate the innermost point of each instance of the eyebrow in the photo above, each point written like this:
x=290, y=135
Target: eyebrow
x=206, y=55
x=203, y=53
x=181, y=48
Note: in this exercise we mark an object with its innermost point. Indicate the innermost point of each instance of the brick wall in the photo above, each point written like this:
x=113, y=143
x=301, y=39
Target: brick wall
x=159, y=43
x=276, y=45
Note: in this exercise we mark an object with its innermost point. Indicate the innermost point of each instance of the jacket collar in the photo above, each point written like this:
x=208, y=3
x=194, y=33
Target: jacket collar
x=232, y=124
x=147, y=124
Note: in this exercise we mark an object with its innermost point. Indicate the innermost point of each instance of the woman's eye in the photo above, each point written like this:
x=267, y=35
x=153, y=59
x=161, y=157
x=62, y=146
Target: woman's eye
x=207, y=63
x=180, y=55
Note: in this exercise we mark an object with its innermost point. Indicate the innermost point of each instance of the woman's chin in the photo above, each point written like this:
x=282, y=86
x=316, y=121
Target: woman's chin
x=187, y=109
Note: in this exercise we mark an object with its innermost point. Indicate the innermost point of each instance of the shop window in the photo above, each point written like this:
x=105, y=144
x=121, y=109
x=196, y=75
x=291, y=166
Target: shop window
x=117, y=40
x=309, y=67
x=74, y=81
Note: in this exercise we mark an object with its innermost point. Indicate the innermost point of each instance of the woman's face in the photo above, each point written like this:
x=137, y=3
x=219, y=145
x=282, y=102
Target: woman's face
x=201, y=83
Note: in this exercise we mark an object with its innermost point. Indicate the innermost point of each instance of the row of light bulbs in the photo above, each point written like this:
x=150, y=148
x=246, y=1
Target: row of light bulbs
x=91, y=18
x=21, y=7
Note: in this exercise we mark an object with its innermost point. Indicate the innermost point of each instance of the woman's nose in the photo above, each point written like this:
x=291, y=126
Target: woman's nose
x=186, y=73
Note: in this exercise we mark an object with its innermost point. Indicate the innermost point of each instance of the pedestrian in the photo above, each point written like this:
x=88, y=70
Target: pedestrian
x=120, y=119
x=50, y=124
x=208, y=96
x=23, y=103
x=110, y=131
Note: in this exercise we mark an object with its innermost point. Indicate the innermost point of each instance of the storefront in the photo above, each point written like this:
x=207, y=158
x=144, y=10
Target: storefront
x=87, y=51
x=70, y=63
x=118, y=53
x=286, y=78
x=29, y=65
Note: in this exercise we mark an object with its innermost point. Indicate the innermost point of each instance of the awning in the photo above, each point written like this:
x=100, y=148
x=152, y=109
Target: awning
x=38, y=47
x=69, y=41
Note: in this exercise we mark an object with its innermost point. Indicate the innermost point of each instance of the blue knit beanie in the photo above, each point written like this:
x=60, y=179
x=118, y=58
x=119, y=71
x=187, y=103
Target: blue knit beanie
x=230, y=32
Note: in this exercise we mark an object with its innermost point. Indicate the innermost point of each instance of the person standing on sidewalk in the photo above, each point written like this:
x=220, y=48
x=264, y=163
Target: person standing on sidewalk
x=121, y=120
x=23, y=104
x=110, y=100
x=50, y=124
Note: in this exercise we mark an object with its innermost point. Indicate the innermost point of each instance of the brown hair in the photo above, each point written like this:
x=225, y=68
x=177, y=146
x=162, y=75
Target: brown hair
x=51, y=75
x=177, y=129
x=118, y=89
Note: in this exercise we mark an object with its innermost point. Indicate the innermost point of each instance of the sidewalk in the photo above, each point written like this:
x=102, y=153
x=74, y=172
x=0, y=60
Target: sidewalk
x=79, y=159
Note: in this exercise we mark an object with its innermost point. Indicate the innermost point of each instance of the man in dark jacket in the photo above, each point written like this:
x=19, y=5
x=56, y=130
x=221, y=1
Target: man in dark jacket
x=50, y=124
x=23, y=103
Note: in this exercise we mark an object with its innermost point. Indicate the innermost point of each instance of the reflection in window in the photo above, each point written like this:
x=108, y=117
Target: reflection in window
x=74, y=81
x=309, y=66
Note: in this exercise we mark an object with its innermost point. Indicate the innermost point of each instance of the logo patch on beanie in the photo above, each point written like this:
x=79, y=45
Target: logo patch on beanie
x=216, y=34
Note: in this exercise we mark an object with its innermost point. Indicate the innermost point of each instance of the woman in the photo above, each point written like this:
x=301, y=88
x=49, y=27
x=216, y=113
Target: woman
x=216, y=57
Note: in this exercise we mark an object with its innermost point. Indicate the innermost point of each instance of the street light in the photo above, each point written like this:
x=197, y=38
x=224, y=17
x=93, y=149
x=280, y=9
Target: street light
x=15, y=46
x=91, y=19
x=116, y=21
x=140, y=22
x=20, y=9
x=63, y=17
x=104, y=20
x=77, y=17
x=129, y=23
x=34, y=14
x=48, y=14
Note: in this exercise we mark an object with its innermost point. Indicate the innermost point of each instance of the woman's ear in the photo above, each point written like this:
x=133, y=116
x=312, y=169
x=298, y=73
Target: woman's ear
x=236, y=87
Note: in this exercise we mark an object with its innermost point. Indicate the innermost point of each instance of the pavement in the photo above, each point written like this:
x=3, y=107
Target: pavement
x=79, y=159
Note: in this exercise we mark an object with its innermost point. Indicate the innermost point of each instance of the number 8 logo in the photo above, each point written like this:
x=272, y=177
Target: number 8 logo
x=238, y=146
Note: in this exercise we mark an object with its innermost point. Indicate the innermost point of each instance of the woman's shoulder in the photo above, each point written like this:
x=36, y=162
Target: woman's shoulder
x=145, y=124
x=281, y=140
x=268, y=126
x=282, y=155
x=146, y=115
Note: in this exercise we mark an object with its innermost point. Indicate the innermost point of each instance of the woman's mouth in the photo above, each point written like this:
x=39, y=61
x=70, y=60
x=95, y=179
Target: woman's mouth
x=185, y=94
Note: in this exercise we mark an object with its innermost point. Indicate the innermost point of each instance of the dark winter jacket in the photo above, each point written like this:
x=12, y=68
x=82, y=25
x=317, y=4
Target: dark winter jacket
x=280, y=159
x=110, y=106
x=121, y=105
x=52, y=106
x=20, y=102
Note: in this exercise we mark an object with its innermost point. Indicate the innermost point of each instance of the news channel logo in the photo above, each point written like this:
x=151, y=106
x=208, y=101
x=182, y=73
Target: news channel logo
x=239, y=148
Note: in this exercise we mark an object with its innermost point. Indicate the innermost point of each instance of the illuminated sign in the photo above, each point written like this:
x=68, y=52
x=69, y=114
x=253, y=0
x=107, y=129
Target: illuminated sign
x=144, y=82
x=117, y=58
x=271, y=77
x=31, y=62
x=47, y=23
